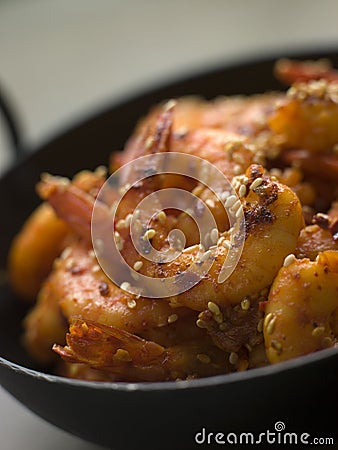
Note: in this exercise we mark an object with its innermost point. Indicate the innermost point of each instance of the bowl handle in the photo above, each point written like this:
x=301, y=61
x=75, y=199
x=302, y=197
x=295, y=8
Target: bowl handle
x=10, y=117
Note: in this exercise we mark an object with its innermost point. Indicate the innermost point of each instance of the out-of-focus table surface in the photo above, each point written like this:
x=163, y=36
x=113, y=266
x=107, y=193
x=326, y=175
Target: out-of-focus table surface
x=62, y=60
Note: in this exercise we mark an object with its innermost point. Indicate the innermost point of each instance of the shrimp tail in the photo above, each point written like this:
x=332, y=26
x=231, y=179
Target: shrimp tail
x=112, y=350
x=289, y=71
x=71, y=204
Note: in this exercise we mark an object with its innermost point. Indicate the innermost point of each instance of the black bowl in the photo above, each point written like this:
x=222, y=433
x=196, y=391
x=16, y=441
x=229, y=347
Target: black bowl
x=301, y=393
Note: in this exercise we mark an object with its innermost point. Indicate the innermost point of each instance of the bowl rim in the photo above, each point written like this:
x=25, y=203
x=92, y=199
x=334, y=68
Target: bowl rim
x=206, y=382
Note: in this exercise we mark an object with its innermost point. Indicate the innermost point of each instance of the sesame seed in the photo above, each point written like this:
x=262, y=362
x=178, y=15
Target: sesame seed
x=276, y=345
x=203, y=358
x=125, y=286
x=170, y=104
x=235, y=183
x=239, y=212
x=248, y=347
x=138, y=265
x=162, y=217
x=218, y=318
x=242, y=191
x=224, y=195
x=317, y=331
x=56, y=263
x=289, y=260
x=149, y=142
x=214, y=308
x=256, y=183
x=237, y=169
x=121, y=224
x=122, y=355
x=128, y=219
x=236, y=205
x=245, y=304
x=96, y=268
x=119, y=241
x=200, y=323
x=271, y=325
x=210, y=202
x=238, y=158
x=198, y=190
x=206, y=255
x=172, y=318
x=124, y=189
x=214, y=235
x=84, y=327
x=233, y=358
x=149, y=234
x=69, y=263
x=230, y=201
x=276, y=172
x=131, y=303
x=66, y=252
x=101, y=171
x=226, y=244
x=260, y=326
x=267, y=319
x=191, y=249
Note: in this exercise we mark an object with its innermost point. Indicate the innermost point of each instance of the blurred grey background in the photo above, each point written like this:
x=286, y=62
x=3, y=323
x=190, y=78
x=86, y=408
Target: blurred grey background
x=62, y=60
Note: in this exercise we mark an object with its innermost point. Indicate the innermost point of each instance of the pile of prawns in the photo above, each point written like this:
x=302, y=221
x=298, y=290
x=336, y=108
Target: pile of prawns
x=280, y=302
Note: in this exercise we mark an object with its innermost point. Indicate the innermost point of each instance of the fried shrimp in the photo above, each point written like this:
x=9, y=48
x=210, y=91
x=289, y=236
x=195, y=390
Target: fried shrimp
x=134, y=359
x=291, y=71
x=307, y=118
x=41, y=240
x=223, y=275
x=273, y=220
x=301, y=314
x=232, y=116
x=78, y=287
x=34, y=249
x=273, y=217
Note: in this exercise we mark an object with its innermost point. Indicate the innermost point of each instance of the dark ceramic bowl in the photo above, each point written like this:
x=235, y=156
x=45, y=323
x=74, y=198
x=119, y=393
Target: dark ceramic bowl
x=301, y=393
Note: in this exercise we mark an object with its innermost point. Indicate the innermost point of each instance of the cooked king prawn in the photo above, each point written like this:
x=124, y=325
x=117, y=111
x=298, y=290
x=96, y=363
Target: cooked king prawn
x=280, y=301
